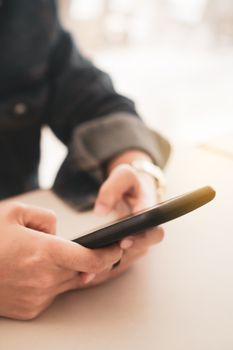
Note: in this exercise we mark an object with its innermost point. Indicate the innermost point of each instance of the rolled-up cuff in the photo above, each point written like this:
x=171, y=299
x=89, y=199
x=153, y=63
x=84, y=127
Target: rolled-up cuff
x=95, y=142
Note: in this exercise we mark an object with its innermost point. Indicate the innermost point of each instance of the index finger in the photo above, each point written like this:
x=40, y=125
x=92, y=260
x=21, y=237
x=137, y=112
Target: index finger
x=147, y=238
x=123, y=180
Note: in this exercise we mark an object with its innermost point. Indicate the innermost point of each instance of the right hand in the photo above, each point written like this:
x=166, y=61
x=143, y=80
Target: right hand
x=36, y=266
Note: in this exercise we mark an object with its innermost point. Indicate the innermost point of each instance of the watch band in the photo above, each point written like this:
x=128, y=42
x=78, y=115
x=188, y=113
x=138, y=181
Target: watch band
x=155, y=171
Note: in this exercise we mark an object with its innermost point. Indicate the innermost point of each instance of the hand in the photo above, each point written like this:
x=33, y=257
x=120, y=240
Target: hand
x=134, y=248
x=36, y=266
x=128, y=191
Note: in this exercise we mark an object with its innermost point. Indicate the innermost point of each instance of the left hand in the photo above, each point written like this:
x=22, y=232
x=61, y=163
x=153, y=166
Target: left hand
x=125, y=191
x=128, y=191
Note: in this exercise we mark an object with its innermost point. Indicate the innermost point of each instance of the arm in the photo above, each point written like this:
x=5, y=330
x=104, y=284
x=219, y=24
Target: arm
x=128, y=191
x=102, y=130
x=90, y=117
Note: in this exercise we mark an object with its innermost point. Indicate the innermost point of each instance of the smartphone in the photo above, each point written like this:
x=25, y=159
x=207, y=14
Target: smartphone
x=146, y=219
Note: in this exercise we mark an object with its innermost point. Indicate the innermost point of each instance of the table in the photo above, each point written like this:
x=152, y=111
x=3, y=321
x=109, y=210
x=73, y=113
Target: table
x=179, y=297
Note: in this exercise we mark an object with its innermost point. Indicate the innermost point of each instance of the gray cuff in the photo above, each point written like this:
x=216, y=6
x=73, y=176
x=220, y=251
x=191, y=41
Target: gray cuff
x=97, y=141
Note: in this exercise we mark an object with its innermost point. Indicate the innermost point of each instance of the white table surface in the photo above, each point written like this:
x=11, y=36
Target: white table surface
x=179, y=297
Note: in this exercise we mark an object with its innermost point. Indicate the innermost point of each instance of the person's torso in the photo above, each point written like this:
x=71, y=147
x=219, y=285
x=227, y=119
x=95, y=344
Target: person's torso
x=27, y=29
x=27, y=35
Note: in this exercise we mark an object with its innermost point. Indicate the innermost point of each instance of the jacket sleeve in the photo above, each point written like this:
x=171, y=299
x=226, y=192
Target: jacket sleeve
x=93, y=120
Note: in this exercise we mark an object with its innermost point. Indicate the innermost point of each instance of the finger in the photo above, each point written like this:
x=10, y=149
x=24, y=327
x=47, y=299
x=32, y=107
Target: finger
x=140, y=248
x=148, y=194
x=82, y=280
x=109, y=275
x=72, y=284
x=127, y=260
x=122, y=181
x=122, y=209
x=86, y=278
x=127, y=242
x=75, y=257
x=143, y=239
x=148, y=238
x=36, y=218
x=144, y=202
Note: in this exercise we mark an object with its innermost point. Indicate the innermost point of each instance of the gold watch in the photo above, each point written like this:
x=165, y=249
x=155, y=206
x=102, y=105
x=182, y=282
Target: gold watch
x=155, y=171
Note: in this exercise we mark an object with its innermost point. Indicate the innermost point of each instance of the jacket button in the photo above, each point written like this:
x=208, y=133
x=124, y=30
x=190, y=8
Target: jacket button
x=20, y=108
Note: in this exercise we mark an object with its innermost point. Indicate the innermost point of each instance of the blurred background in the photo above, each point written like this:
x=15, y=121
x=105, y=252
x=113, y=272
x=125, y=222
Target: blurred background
x=174, y=58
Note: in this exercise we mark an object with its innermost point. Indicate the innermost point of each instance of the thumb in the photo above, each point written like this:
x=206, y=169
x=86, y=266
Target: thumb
x=122, y=181
x=36, y=218
x=73, y=256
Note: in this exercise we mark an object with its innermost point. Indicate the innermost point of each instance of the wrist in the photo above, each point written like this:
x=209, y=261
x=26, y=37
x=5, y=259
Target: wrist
x=143, y=165
x=127, y=158
x=155, y=173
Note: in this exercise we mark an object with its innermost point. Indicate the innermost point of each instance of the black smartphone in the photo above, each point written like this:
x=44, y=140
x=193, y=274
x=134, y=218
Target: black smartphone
x=143, y=220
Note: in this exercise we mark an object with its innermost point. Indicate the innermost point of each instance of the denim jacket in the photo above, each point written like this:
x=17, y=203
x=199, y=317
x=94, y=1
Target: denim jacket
x=45, y=80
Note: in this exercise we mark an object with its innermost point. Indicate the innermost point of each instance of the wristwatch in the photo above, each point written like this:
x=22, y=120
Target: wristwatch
x=147, y=167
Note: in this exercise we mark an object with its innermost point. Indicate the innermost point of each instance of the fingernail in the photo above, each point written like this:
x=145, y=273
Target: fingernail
x=126, y=243
x=101, y=209
x=89, y=277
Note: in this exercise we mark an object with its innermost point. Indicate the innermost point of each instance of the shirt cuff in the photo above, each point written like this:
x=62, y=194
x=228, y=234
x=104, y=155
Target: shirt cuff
x=96, y=142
